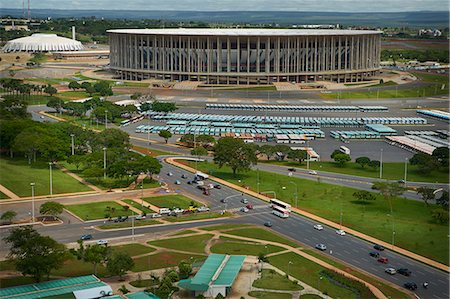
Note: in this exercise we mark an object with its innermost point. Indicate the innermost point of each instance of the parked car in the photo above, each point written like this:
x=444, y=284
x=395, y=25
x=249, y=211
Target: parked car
x=140, y=217
x=177, y=182
x=203, y=209
x=217, y=186
x=178, y=210
x=206, y=192
x=170, y=174
x=86, y=237
x=383, y=260
x=378, y=247
x=410, y=285
x=183, y=176
x=249, y=206
x=156, y=215
x=244, y=209
x=401, y=181
x=292, y=169
x=223, y=200
x=244, y=200
x=318, y=227
x=404, y=271
x=313, y=172
x=374, y=254
x=340, y=232
x=391, y=271
x=322, y=247
x=268, y=224
x=102, y=242
x=121, y=219
x=189, y=182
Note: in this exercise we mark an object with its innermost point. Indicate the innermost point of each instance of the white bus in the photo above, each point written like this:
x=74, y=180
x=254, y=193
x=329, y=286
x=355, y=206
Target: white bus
x=201, y=176
x=344, y=150
x=279, y=204
x=280, y=212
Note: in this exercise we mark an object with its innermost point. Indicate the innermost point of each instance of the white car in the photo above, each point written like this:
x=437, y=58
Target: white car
x=318, y=226
x=244, y=200
x=340, y=232
x=156, y=215
x=177, y=182
x=203, y=209
x=170, y=174
x=102, y=242
x=313, y=172
x=140, y=217
x=178, y=210
x=391, y=271
x=244, y=209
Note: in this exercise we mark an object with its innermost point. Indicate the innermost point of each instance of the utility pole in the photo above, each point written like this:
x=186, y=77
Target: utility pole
x=381, y=164
x=32, y=201
x=104, y=163
x=406, y=169
x=51, y=179
x=106, y=119
x=257, y=180
x=73, y=144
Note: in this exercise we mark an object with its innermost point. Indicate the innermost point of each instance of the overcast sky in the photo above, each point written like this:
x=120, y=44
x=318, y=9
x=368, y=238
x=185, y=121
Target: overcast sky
x=239, y=5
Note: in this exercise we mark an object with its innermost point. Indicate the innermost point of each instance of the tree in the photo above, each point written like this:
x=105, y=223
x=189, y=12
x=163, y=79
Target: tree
x=425, y=163
x=262, y=258
x=205, y=140
x=165, y=134
x=199, y=151
x=145, y=106
x=281, y=150
x=363, y=161
x=443, y=200
x=188, y=139
x=136, y=95
x=8, y=216
x=76, y=160
x=219, y=296
x=297, y=155
x=235, y=154
x=363, y=195
x=426, y=193
x=441, y=154
x=334, y=153
x=90, y=90
x=50, y=90
x=74, y=85
x=341, y=159
x=94, y=254
x=34, y=254
x=374, y=164
x=85, y=84
x=51, y=208
x=111, y=138
x=389, y=190
x=55, y=103
x=440, y=215
x=267, y=150
x=163, y=106
x=119, y=263
x=184, y=269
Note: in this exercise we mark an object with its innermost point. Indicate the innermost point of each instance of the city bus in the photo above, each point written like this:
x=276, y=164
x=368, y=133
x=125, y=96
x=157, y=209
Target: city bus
x=275, y=203
x=344, y=150
x=280, y=212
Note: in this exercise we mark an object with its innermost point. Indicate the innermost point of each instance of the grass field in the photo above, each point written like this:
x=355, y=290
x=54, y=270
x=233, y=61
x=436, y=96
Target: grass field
x=33, y=99
x=309, y=296
x=74, y=267
x=309, y=272
x=3, y=196
x=223, y=227
x=143, y=283
x=194, y=244
x=21, y=174
x=171, y=201
x=415, y=229
x=152, y=152
x=274, y=281
x=128, y=223
x=162, y=260
x=97, y=210
x=197, y=216
x=391, y=171
x=184, y=232
x=270, y=295
x=243, y=248
x=74, y=95
x=261, y=234
x=133, y=249
x=138, y=206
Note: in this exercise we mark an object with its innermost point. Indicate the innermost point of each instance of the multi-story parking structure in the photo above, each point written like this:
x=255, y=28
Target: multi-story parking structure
x=245, y=56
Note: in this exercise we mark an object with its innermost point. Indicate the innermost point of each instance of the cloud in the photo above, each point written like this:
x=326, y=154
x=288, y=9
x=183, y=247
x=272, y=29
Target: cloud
x=239, y=5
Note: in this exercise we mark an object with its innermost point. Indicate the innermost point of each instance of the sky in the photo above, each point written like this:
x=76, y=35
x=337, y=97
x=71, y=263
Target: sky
x=240, y=5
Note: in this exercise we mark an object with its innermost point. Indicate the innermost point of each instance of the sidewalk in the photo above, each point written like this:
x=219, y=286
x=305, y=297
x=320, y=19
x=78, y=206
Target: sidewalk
x=8, y=192
x=360, y=235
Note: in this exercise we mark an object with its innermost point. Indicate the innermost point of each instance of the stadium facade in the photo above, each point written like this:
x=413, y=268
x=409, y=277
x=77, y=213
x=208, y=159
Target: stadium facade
x=245, y=56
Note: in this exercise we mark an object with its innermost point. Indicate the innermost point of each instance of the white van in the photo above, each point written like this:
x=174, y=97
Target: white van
x=163, y=211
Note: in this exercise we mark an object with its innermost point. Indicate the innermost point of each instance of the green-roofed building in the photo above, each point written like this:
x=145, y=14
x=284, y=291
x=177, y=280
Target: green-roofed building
x=216, y=275
x=82, y=287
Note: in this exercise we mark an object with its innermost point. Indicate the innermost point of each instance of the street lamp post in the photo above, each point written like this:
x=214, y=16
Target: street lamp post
x=307, y=154
x=51, y=179
x=104, y=162
x=381, y=163
x=132, y=225
x=73, y=144
x=32, y=201
x=296, y=194
x=406, y=169
x=148, y=130
x=289, y=267
x=257, y=180
x=318, y=282
x=106, y=119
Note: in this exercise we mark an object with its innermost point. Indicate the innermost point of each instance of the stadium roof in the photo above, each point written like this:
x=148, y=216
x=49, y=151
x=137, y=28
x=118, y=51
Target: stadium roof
x=56, y=288
x=243, y=32
x=39, y=42
x=218, y=269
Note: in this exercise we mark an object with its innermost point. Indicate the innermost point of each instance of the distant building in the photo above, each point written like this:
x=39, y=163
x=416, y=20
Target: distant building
x=245, y=56
x=39, y=42
x=430, y=32
x=74, y=55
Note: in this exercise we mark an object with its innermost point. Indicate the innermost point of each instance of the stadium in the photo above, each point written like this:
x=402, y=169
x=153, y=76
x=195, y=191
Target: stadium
x=245, y=56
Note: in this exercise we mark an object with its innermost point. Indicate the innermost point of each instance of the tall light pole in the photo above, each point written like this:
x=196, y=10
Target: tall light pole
x=296, y=194
x=73, y=144
x=132, y=225
x=106, y=119
x=406, y=169
x=196, y=162
x=307, y=154
x=148, y=130
x=32, y=201
x=381, y=163
x=104, y=163
x=51, y=179
x=257, y=180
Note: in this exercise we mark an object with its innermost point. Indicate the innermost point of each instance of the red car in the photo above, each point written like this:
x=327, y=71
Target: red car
x=383, y=260
x=249, y=206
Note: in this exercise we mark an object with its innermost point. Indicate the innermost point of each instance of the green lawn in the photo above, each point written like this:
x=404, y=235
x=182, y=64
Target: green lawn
x=152, y=152
x=391, y=171
x=162, y=260
x=3, y=196
x=33, y=99
x=223, y=227
x=128, y=223
x=310, y=296
x=261, y=234
x=133, y=249
x=194, y=244
x=81, y=121
x=184, y=232
x=74, y=267
x=143, y=283
x=147, y=184
x=6, y=282
x=272, y=280
x=138, y=206
x=97, y=210
x=309, y=272
x=20, y=174
x=77, y=94
x=415, y=229
x=242, y=248
x=171, y=201
x=270, y=295
x=197, y=216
